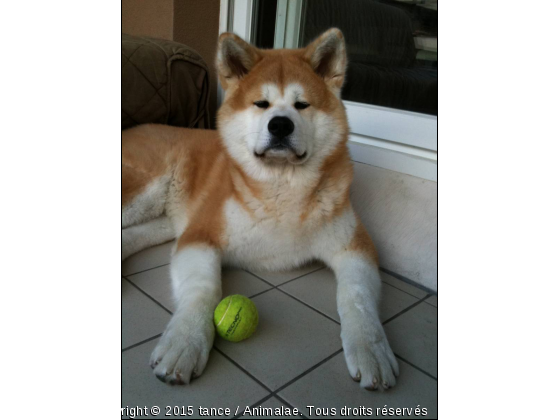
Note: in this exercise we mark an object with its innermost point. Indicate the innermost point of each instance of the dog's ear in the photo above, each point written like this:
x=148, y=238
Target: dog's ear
x=235, y=58
x=327, y=56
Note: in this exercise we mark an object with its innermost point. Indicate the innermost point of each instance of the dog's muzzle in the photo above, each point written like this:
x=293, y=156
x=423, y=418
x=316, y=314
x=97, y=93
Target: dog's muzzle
x=280, y=144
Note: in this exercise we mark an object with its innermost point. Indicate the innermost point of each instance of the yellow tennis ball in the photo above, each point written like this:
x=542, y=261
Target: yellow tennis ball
x=236, y=318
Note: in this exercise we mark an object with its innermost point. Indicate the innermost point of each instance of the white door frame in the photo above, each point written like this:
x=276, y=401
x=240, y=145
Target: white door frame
x=287, y=28
x=394, y=139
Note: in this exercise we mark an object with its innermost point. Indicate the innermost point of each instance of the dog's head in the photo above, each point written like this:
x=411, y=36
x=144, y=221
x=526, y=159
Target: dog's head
x=282, y=107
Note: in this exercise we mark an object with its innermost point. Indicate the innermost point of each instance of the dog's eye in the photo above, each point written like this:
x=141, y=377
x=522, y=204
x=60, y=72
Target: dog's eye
x=301, y=105
x=262, y=104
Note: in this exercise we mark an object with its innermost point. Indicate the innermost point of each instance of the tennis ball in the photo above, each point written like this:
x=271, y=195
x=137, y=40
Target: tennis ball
x=236, y=318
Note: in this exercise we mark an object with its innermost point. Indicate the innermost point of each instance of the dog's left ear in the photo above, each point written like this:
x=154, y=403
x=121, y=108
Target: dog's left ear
x=235, y=58
x=327, y=56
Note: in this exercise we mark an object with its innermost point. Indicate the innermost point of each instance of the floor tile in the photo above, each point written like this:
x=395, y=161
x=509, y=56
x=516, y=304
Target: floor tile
x=149, y=258
x=141, y=318
x=157, y=284
x=330, y=386
x=277, y=278
x=432, y=300
x=393, y=301
x=276, y=406
x=221, y=385
x=405, y=287
x=413, y=336
x=318, y=290
x=290, y=339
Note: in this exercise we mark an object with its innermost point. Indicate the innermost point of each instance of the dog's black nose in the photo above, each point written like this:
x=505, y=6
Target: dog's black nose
x=281, y=127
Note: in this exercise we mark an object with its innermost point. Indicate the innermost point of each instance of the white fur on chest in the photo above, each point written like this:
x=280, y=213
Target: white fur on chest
x=264, y=242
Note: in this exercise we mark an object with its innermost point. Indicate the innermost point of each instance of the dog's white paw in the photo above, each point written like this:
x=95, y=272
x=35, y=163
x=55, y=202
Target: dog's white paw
x=183, y=350
x=369, y=357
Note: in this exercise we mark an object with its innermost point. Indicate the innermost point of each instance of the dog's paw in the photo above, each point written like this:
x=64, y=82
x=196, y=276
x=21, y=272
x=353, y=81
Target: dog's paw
x=369, y=358
x=182, y=351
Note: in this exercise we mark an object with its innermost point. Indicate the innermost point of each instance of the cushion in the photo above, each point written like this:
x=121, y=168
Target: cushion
x=163, y=82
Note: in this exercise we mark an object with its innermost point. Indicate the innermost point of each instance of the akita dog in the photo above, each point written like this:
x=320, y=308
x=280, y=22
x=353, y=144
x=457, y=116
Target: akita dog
x=268, y=191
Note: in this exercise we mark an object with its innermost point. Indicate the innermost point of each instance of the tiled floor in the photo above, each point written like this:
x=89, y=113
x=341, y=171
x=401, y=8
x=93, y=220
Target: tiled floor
x=295, y=358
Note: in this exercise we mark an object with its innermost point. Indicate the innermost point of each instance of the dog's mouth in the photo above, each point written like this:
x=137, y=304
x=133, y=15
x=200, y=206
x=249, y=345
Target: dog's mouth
x=281, y=150
x=281, y=153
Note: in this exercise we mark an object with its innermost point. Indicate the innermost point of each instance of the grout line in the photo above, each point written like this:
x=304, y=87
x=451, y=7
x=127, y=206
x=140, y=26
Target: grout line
x=283, y=401
x=269, y=396
x=431, y=304
x=151, y=298
x=296, y=299
x=408, y=281
x=301, y=375
x=243, y=369
x=141, y=342
x=277, y=287
x=400, y=290
x=299, y=277
x=408, y=308
x=260, y=293
x=260, y=278
x=309, y=306
x=415, y=367
x=287, y=281
x=287, y=384
x=143, y=271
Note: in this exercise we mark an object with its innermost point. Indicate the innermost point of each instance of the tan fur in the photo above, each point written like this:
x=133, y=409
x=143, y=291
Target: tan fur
x=281, y=67
x=201, y=174
x=334, y=184
x=142, y=161
x=207, y=180
x=363, y=243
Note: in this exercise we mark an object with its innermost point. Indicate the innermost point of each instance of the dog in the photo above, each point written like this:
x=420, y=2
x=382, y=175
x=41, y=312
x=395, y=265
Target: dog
x=269, y=190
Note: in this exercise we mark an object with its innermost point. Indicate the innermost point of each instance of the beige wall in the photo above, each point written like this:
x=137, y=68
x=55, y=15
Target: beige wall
x=194, y=23
x=400, y=213
x=148, y=17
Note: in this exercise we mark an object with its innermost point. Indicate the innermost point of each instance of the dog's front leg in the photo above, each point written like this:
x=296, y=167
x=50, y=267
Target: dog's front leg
x=368, y=355
x=183, y=350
